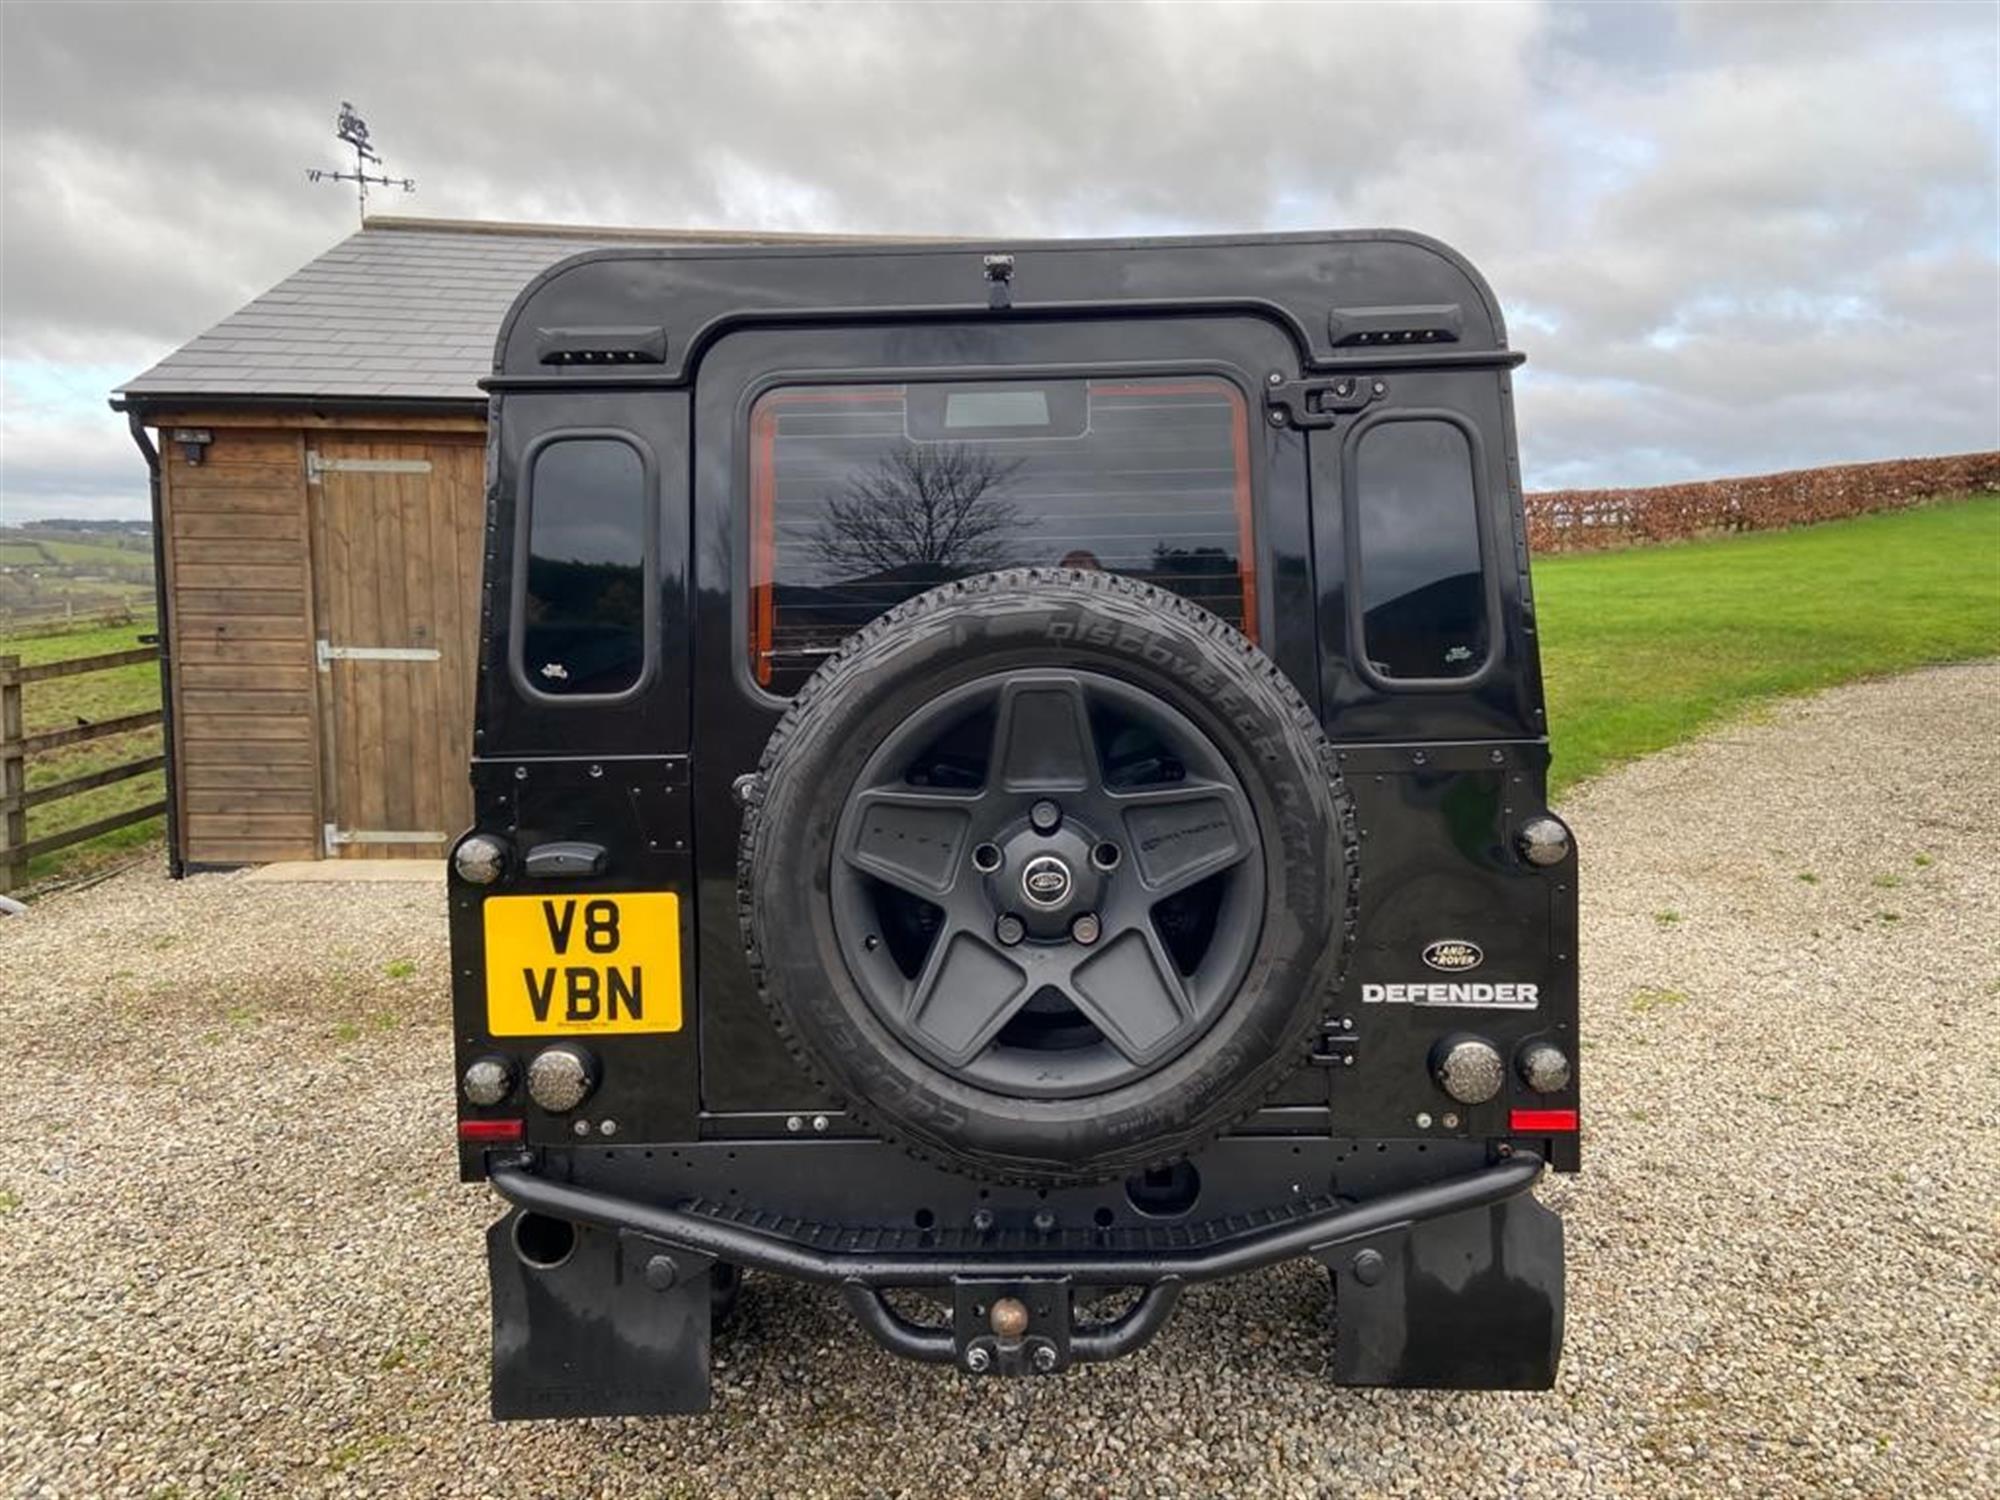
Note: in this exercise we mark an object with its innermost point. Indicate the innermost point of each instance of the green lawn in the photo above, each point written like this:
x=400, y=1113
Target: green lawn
x=1646, y=647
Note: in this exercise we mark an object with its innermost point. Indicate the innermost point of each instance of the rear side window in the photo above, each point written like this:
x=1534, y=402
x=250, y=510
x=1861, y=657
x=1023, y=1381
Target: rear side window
x=583, y=605
x=1423, y=588
x=864, y=496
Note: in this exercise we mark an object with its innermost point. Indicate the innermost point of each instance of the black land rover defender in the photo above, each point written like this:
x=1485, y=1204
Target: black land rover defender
x=1006, y=774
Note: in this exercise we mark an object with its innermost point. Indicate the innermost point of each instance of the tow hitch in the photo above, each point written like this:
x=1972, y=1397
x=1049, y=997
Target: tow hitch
x=1013, y=1327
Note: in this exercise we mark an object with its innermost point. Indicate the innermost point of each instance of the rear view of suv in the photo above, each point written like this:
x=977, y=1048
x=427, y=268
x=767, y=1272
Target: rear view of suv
x=1013, y=776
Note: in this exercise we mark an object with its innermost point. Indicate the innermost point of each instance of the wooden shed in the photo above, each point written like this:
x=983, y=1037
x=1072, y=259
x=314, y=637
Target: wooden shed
x=318, y=492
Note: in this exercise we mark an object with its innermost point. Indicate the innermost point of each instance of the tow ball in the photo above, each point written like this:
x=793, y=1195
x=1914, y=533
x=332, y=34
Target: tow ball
x=1011, y=1327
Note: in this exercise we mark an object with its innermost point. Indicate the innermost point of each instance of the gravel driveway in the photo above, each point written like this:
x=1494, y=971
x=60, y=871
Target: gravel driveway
x=233, y=1260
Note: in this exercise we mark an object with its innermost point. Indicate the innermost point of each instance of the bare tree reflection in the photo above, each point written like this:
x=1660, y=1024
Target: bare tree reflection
x=932, y=506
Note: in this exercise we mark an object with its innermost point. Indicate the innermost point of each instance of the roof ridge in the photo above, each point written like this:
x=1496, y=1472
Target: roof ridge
x=522, y=230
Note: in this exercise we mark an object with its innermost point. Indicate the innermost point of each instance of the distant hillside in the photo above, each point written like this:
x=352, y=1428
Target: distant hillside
x=52, y=569
x=136, y=528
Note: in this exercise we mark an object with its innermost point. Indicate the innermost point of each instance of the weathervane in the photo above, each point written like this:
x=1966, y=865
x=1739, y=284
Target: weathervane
x=352, y=129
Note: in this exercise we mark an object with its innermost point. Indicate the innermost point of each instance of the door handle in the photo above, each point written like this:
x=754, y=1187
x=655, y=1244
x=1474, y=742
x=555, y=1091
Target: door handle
x=566, y=861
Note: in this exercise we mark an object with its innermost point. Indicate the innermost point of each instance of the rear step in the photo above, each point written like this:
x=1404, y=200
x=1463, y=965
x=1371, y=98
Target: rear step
x=907, y=1257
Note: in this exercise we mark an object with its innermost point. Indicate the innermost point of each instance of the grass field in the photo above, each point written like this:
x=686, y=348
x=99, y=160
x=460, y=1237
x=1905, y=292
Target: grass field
x=101, y=555
x=1646, y=647
x=93, y=696
x=80, y=554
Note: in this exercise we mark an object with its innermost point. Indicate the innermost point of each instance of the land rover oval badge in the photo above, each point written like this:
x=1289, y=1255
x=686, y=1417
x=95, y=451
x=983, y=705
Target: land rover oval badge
x=1046, y=881
x=1454, y=955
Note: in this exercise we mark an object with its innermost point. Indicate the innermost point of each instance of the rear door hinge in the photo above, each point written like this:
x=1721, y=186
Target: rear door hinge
x=1322, y=400
x=1335, y=1046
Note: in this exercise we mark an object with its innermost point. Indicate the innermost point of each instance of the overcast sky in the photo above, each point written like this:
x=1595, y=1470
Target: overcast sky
x=1730, y=238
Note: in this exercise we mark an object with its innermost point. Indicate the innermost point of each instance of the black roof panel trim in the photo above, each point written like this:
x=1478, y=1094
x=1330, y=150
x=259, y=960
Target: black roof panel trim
x=699, y=292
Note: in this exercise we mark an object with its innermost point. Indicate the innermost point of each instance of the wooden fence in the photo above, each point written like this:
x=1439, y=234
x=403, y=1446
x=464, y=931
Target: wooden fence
x=61, y=618
x=17, y=747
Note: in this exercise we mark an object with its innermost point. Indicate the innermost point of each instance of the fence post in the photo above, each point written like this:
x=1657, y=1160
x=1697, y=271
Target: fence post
x=13, y=776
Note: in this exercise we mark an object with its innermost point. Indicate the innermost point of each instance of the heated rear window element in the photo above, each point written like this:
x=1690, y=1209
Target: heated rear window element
x=864, y=496
x=1423, y=590
x=584, y=605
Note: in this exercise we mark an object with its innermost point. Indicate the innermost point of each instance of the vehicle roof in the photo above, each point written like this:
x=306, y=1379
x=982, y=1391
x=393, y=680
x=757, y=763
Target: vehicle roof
x=687, y=296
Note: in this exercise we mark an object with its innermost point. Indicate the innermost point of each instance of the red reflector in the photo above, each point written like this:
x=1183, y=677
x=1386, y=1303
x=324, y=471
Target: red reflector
x=1541, y=1121
x=489, y=1130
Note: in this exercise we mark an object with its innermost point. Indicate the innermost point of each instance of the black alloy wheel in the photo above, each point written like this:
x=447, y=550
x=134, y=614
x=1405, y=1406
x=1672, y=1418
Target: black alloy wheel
x=1042, y=882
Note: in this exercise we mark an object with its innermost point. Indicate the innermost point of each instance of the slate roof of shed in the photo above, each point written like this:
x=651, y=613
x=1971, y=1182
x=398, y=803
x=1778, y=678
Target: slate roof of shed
x=405, y=309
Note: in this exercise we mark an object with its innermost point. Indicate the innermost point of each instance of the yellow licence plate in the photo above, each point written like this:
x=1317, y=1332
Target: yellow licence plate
x=571, y=965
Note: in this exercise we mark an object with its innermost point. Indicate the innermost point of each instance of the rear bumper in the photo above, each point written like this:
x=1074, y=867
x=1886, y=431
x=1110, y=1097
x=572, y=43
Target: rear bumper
x=833, y=1256
x=1456, y=1282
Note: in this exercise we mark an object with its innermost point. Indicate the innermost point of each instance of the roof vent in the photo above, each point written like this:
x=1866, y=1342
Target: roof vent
x=602, y=346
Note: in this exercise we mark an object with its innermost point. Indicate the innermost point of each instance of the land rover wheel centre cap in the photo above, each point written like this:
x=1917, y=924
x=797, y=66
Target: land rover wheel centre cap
x=1046, y=882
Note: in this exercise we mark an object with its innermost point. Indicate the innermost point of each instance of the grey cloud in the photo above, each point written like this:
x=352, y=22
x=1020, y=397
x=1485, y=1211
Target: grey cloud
x=1809, y=27
x=55, y=465
x=1748, y=236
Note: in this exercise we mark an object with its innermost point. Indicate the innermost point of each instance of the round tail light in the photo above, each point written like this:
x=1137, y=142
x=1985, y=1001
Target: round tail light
x=1543, y=841
x=1544, y=1067
x=1469, y=1069
x=488, y=1081
x=561, y=1077
x=479, y=859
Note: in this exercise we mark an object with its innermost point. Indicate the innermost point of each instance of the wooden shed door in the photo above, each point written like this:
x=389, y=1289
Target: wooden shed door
x=396, y=538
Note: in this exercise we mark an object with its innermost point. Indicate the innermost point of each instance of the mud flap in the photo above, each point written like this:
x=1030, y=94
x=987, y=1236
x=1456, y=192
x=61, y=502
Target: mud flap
x=617, y=1326
x=1473, y=1301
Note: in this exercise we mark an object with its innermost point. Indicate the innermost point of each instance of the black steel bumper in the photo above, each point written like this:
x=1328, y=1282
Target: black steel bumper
x=1452, y=1283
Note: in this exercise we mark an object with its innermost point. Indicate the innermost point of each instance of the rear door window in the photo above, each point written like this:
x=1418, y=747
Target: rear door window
x=1424, y=601
x=862, y=496
x=582, y=612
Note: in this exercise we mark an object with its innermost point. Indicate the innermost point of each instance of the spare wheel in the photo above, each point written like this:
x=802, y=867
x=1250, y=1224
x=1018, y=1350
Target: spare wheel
x=1049, y=875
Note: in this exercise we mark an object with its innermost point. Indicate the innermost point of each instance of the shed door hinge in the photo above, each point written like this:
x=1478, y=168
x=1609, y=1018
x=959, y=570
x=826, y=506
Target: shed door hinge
x=327, y=653
x=332, y=838
x=316, y=466
x=1321, y=400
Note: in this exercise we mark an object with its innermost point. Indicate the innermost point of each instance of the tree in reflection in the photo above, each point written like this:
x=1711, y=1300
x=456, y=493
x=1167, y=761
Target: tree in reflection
x=933, y=506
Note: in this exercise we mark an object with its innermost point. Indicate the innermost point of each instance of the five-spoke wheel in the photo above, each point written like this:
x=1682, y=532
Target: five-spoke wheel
x=1043, y=883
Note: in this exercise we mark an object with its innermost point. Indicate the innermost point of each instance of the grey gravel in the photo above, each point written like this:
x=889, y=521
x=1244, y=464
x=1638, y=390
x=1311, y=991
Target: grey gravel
x=233, y=1260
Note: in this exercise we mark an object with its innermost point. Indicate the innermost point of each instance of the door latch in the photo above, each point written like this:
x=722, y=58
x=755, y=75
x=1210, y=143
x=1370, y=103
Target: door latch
x=1321, y=401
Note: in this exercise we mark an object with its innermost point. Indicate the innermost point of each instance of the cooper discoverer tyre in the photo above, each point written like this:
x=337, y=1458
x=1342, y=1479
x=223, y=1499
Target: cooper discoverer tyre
x=1049, y=874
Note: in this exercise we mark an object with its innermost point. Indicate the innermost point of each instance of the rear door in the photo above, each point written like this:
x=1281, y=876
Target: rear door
x=580, y=760
x=840, y=471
